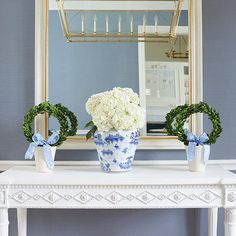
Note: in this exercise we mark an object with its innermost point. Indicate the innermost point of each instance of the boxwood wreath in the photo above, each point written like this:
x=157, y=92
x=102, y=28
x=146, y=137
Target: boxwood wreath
x=201, y=107
x=71, y=118
x=61, y=113
x=171, y=119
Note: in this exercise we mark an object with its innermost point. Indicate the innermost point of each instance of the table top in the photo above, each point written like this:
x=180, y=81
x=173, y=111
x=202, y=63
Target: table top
x=140, y=175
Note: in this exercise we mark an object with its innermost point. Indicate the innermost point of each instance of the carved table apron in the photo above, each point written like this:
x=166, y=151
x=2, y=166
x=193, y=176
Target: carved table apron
x=87, y=187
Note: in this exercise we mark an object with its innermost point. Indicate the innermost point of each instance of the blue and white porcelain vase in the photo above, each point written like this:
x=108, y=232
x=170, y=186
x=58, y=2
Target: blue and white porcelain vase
x=116, y=149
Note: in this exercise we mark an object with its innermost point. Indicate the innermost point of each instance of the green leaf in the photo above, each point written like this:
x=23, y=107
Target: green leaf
x=89, y=124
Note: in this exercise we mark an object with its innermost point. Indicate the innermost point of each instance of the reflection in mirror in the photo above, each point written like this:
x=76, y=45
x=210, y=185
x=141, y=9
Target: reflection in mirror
x=157, y=68
x=165, y=82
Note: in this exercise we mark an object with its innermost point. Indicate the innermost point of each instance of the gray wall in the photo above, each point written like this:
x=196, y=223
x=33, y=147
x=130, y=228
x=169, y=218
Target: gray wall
x=16, y=97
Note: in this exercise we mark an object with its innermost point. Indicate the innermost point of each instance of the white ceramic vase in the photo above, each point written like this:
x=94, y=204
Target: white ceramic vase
x=197, y=164
x=41, y=165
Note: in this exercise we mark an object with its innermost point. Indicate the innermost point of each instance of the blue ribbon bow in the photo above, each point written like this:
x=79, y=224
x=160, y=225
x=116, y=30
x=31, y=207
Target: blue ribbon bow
x=196, y=141
x=39, y=141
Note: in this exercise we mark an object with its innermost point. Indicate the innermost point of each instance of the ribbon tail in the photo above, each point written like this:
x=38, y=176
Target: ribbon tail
x=48, y=156
x=30, y=151
x=191, y=151
x=206, y=153
x=53, y=138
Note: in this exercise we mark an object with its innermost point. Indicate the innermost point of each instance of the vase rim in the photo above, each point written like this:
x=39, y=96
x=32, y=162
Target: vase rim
x=49, y=145
x=117, y=131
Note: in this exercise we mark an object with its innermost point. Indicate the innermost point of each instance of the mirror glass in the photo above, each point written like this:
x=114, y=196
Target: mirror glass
x=157, y=70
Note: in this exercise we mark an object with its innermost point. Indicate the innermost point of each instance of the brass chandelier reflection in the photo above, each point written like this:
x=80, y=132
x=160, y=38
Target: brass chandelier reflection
x=118, y=20
x=179, y=49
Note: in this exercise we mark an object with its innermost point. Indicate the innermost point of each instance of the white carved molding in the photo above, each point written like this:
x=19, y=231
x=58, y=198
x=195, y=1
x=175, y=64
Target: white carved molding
x=231, y=196
x=109, y=196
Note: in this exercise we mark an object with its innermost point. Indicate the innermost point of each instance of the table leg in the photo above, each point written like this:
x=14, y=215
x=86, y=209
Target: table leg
x=230, y=222
x=4, y=222
x=212, y=221
x=22, y=221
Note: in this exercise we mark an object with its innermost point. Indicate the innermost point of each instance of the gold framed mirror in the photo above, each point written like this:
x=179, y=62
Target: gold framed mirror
x=177, y=62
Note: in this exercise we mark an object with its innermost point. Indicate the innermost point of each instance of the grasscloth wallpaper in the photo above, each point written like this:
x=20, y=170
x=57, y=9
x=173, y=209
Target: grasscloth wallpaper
x=17, y=93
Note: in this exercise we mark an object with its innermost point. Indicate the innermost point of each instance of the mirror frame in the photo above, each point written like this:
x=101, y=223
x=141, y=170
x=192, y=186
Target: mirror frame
x=146, y=142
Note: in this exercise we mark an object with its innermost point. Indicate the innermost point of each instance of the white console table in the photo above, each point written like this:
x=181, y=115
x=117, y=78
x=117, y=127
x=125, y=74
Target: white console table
x=87, y=187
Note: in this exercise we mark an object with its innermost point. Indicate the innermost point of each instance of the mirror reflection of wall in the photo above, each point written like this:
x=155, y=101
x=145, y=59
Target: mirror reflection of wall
x=79, y=70
x=166, y=81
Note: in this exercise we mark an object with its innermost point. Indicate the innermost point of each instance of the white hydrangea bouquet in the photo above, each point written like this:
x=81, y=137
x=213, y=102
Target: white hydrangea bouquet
x=116, y=119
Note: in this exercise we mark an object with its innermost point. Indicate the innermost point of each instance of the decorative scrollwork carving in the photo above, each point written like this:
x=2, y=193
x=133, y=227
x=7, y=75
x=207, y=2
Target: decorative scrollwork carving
x=114, y=197
x=231, y=197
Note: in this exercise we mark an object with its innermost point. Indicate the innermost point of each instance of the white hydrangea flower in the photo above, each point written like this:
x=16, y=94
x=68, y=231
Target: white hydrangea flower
x=117, y=109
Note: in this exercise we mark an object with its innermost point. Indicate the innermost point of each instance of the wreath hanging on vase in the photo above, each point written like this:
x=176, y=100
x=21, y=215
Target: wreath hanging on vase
x=179, y=115
x=68, y=127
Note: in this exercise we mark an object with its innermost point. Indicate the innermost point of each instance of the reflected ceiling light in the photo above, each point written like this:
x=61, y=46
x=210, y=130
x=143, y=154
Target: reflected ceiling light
x=118, y=20
x=179, y=49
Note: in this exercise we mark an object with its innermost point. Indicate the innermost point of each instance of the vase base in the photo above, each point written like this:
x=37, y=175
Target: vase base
x=117, y=171
x=40, y=163
x=43, y=170
x=197, y=170
x=195, y=166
